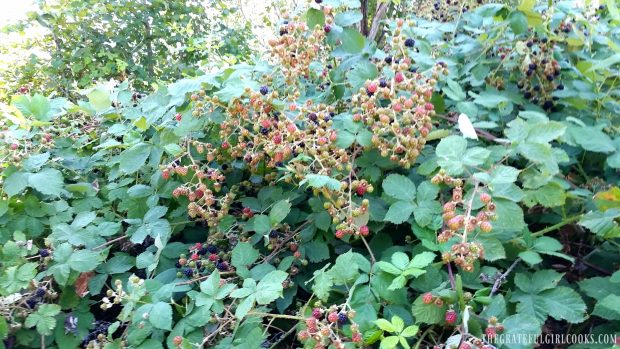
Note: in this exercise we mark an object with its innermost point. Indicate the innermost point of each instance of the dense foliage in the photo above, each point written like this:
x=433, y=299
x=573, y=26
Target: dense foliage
x=455, y=182
x=144, y=42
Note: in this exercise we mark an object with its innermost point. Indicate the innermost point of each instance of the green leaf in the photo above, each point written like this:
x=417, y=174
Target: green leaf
x=450, y=152
x=243, y=255
x=563, y=303
x=598, y=287
x=322, y=284
x=84, y=260
x=592, y=139
x=538, y=282
x=49, y=182
x=99, y=99
x=352, y=40
x=400, y=260
x=385, y=325
x=16, y=183
x=422, y=260
x=530, y=257
x=362, y=71
x=602, y=223
x=521, y=325
x=399, y=187
x=389, y=342
x=347, y=18
x=270, y=288
x=399, y=212
x=550, y=195
x=315, y=17
x=410, y=331
x=279, y=211
x=43, y=319
x=608, y=307
x=161, y=316
x=132, y=159
x=518, y=22
x=428, y=313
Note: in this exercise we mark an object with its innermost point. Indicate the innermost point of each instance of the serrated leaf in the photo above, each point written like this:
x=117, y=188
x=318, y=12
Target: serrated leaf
x=399, y=187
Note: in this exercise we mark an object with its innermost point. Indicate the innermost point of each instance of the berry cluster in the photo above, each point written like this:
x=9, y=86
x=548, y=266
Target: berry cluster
x=203, y=259
x=296, y=48
x=97, y=337
x=445, y=10
x=326, y=327
x=291, y=143
x=460, y=221
x=540, y=73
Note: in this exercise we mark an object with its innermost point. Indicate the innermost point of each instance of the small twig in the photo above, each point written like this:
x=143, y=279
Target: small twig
x=500, y=279
x=282, y=338
x=278, y=316
x=204, y=277
x=451, y=276
x=372, y=256
x=111, y=242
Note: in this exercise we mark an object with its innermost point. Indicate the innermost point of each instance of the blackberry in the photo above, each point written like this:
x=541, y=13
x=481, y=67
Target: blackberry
x=537, y=88
x=222, y=266
x=318, y=1
x=560, y=87
x=31, y=303
x=203, y=251
x=529, y=44
x=532, y=66
x=312, y=117
x=279, y=164
x=409, y=42
x=520, y=85
x=264, y=130
x=283, y=31
x=332, y=114
x=250, y=145
x=188, y=272
x=342, y=318
x=382, y=83
x=40, y=292
x=327, y=118
x=388, y=59
x=44, y=252
x=327, y=28
x=550, y=77
x=198, y=264
x=329, y=66
x=273, y=234
x=530, y=72
x=264, y=90
x=527, y=94
x=547, y=105
x=177, y=265
x=544, y=40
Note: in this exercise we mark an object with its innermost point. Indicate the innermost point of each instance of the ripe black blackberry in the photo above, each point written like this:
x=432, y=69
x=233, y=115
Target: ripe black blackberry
x=40, y=292
x=44, y=252
x=409, y=42
x=264, y=90
x=342, y=318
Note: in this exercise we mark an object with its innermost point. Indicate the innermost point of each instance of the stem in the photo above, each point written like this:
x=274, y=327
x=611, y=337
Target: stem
x=372, y=256
x=277, y=316
x=501, y=278
x=111, y=242
x=419, y=342
x=275, y=345
x=451, y=276
x=557, y=226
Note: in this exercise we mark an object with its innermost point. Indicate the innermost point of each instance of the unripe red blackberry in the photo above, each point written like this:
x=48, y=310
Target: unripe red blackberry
x=427, y=298
x=178, y=340
x=450, y=316
x=332, y=317
x=364, y=230
x=485, y=198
